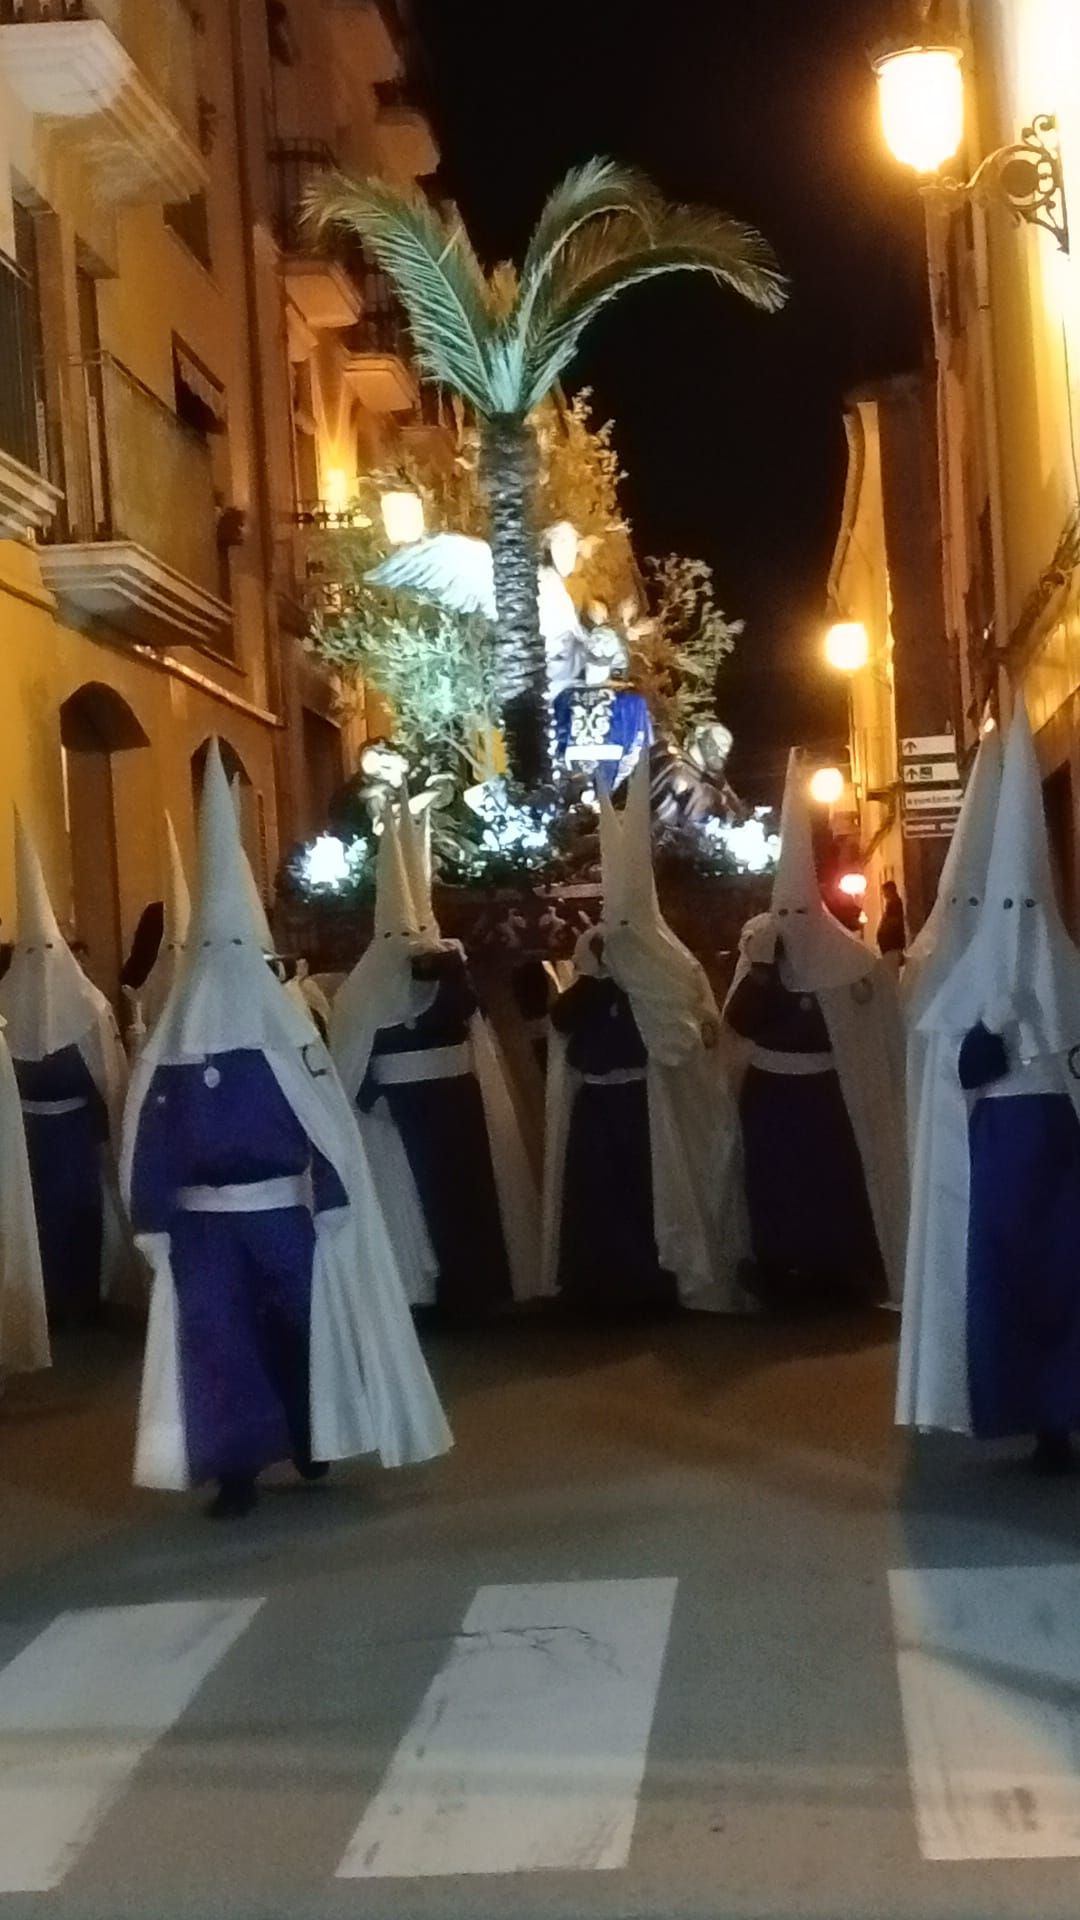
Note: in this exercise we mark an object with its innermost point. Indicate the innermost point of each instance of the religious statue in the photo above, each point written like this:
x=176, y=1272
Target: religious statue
x=601, y=724
x=455, y=570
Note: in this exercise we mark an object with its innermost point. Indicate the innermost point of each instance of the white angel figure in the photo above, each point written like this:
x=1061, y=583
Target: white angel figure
x=455, y=570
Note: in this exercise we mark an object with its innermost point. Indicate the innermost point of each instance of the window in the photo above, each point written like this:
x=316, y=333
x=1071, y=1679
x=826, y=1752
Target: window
x=189, y=221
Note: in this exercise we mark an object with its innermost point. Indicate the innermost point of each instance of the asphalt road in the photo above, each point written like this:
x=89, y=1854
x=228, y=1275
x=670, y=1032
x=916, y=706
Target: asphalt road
x=644, y=1606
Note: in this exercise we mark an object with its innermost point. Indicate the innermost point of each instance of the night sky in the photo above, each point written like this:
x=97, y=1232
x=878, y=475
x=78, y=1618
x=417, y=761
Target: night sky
x=729, y=421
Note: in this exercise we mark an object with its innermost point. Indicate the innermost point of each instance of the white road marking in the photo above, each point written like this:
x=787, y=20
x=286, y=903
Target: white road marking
x=989, y=1663
x=79, y=1708
x=529, y=1748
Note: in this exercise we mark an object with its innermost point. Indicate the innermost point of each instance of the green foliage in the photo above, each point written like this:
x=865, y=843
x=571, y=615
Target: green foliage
x=435, y=668
x=678, y=650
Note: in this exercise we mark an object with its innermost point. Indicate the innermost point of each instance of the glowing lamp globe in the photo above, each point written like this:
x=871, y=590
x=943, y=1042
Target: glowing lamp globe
x=403, y=517
x=337, y=491
x=921, y=95
x=847, y=646
x=853, y=884
x=827, y=786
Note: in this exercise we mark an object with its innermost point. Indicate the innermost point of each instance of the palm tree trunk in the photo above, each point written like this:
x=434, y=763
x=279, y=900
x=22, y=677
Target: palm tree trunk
x=508, y=469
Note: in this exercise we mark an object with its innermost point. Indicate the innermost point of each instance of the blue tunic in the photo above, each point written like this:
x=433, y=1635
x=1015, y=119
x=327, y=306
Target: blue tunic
x=607, y=1248
x=1023, y=1299
x=591, y=717
x=243, y=1280
x=65, y=1152
x=443, y=1128
x=811, y=1227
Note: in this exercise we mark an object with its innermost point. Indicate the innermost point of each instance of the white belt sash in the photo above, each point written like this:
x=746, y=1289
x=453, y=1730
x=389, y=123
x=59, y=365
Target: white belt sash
x=771, y=1060
x=49, y=1108
x=248, y=1196
x=618, y=1077
x=423, y=1063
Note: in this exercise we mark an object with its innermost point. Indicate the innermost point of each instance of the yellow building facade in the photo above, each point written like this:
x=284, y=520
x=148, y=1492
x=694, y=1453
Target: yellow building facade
x=187, y=376
x=1003, y=425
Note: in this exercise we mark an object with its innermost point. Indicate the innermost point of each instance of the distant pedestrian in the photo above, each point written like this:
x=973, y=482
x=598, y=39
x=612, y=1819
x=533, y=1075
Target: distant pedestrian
x=892, y=928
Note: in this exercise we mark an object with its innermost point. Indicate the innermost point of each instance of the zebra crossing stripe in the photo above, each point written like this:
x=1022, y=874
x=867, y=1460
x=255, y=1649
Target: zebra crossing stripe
x=80, y=1707
x=529, y=1748
x=989, y=1666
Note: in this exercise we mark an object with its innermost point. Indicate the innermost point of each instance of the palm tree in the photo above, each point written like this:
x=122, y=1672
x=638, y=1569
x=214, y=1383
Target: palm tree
x=502, y=341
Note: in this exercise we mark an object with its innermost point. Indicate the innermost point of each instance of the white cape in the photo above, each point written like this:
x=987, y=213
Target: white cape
x=24, y=1335
x=932, y=1381
x=370, y=1387
x=698, y=1206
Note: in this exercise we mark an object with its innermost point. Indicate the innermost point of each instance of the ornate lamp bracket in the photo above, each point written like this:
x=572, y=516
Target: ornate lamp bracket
x=1025, y=176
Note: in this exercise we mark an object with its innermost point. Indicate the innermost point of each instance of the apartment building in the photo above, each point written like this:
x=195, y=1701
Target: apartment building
x=188, y=378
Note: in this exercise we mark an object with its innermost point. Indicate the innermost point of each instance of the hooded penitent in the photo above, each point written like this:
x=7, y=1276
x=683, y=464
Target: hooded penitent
x=1006, y=1285
x=932, y=1380
x=278, y=1322
x=416, y=1057
x=641, y=1196
x=821, y=1098
x=158, y=985
x=71, y=1072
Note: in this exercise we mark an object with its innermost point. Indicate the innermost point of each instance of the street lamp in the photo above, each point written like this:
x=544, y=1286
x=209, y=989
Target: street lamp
x=403, y=516
x=847, y=646
x=921, y=95
x=827, y=786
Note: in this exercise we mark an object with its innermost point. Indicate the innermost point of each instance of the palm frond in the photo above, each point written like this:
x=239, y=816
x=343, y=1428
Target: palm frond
x=609, y=258
x=597, y=188
x=434, y=270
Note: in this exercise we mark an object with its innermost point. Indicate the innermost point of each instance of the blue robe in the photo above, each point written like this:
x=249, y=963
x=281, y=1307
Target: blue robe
x=66, y=1151
x=443, y=1128
x=811, y=1227
x=588, y=717
x=607, y=1244
x=243, y=1280
x=1023, y=1294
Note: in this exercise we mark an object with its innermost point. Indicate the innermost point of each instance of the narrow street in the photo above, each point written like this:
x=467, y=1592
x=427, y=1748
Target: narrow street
x=676, y=1690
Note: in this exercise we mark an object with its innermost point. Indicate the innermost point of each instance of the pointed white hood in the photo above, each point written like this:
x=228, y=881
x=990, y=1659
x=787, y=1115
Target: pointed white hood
x=379, y=990
x=225, y=996
x=817, y=951
x=955, y=913
x=416, y=854
x=1020, y=970
x=45, y=998
x=161, y=978
x=668, y=989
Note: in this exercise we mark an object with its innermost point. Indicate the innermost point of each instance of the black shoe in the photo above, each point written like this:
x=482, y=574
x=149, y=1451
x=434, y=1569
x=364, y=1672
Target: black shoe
x=310, y=1469
x=1053, y=1455
x=234, y=1498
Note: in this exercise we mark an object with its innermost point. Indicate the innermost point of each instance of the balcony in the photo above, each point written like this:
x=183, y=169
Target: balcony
x=317, y=273
x=28, y=501
x=406, y=141
x=378, y=367
x=115, y=79
x=368, y=37
x=136, y=548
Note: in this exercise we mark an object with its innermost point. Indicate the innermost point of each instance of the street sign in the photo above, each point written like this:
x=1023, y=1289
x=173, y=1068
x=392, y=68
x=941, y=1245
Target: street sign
x=930, y=829
x=934, y=800
x=931, y=773
x=929, y=746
